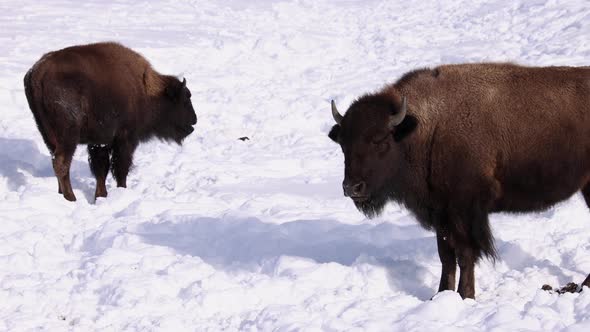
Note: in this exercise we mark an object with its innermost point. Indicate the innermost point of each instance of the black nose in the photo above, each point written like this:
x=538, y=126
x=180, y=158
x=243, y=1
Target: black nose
x=354, y=190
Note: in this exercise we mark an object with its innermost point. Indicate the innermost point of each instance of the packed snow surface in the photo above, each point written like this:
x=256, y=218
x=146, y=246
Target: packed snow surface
x=255, y=235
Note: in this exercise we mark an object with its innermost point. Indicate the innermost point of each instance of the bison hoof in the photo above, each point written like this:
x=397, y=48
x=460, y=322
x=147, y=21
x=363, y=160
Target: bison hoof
x=70, y=197
x=96, y=197
x=100, y=194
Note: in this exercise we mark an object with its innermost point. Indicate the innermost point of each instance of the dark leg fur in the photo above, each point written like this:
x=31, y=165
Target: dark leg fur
x=122, y=160
x=467, y=259
x=62, y=161
x=446, y=253
x=471, y=238
x=99, y=161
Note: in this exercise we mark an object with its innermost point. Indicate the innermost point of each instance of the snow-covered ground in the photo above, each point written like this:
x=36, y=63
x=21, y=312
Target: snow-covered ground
x=221, y=234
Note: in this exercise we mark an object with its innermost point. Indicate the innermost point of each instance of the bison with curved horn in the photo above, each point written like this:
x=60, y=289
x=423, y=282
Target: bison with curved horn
x=458, y=142
x=109, y=97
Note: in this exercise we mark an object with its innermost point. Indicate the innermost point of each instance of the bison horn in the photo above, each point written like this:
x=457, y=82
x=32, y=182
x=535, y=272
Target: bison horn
x=183, y=83
x=397, y=118
x=335, y=114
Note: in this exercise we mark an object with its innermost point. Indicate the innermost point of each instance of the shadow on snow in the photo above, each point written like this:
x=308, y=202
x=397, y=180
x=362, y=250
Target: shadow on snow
x=408, y=253
x=249, y=243
x=20, y=156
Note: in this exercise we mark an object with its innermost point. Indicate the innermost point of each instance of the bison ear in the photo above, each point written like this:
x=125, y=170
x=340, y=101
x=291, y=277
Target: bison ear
x=405, y=128
x=334, y=133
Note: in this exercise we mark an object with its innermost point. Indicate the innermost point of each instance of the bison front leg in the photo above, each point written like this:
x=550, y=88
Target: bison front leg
x=122, y=160
x=446, y=253
x=466, y=258
x=98, y=159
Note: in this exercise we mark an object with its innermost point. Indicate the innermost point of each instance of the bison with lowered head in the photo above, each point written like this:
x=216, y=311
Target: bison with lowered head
x=458, y=142
x=109, y=97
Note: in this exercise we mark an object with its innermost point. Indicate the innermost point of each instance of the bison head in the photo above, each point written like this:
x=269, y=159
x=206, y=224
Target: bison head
x=179, y=117
x=370, y=135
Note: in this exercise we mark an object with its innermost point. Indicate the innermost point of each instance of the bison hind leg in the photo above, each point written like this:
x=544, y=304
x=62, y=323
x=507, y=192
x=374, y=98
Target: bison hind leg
x=99, y=161
x=62, y=161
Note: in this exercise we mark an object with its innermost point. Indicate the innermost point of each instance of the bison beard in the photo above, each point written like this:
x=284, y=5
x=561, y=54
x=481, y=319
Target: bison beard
x=173, y=133
x=375, y=203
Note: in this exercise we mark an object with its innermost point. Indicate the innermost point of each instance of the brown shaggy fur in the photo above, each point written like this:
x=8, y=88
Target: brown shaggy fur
x=109, y=97
x=477, y=138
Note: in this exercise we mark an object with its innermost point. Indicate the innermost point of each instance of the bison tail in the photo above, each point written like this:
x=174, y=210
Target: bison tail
x=36, y=106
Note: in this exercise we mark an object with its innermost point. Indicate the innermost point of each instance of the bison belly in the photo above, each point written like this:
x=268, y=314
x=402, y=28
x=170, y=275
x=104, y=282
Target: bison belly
x=100, y=130
x=537, y=185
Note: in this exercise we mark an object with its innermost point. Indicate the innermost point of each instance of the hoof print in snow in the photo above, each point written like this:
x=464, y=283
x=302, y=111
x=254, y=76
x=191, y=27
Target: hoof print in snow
x=243, y=139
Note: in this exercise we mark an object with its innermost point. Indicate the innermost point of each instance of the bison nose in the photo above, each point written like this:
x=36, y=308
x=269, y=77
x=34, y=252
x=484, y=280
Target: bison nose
x=354, y=190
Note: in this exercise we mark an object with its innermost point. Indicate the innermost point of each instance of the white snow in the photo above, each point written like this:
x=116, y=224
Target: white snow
x=221, y=234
